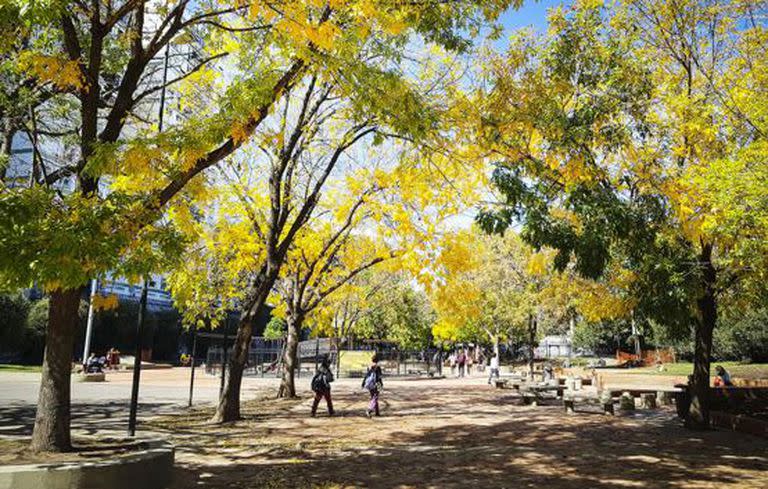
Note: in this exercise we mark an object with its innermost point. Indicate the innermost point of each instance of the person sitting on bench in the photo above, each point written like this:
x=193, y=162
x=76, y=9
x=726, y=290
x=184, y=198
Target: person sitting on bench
x=722, y=379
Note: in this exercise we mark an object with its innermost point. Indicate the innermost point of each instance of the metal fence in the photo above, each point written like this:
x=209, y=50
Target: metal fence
x=263, y=357
x=351, y=360
x=393, y=362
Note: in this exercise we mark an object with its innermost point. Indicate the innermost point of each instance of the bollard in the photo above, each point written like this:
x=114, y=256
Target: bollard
x=627, y=402
x=607, y=401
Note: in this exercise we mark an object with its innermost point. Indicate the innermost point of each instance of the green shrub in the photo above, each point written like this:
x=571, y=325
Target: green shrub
x=13, y=317
x=743, y=337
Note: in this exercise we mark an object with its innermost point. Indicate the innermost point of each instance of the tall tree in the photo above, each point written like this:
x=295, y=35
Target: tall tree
x=114, y=183
x=612, y=160
x=323, y=260
x=369, y=86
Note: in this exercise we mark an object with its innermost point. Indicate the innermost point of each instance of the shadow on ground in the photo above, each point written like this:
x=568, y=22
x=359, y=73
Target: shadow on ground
x=459, y=437
x=88, y=419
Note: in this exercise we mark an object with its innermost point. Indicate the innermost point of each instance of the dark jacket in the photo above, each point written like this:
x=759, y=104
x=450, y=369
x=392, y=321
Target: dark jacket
x=377, y=373
x=321, y=382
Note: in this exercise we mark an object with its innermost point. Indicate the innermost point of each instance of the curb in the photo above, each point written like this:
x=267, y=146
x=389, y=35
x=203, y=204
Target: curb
x=151, y=468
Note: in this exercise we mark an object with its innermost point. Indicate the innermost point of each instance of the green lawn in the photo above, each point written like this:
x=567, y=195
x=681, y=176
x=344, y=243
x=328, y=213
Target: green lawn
x=19, y=368
x=355, y=360
x=736, y=369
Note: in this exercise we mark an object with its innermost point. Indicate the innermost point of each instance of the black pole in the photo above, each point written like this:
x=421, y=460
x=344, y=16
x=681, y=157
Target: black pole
x=143, y=300
x=162, y=91
x=137, y=361
x=192, y=376
x=224, y=357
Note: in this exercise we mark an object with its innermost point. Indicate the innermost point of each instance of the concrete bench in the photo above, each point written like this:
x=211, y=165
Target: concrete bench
x=639, y=391
x=570, y=400
x=93, y=377
x=534, y=394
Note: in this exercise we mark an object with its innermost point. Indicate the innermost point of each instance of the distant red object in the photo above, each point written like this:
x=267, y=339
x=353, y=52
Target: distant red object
x=648, y=357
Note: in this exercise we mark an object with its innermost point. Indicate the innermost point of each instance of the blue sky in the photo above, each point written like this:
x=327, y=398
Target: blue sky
x=531, y=14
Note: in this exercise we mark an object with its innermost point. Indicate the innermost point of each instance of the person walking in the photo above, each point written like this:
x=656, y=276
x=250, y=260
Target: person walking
x=493, y=367
x=321, y=385
x=373, y=383
x=470, y=361
x=461, y=361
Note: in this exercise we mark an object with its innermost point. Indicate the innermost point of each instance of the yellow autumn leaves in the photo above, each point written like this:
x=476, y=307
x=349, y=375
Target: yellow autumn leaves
x=62, y=73
x=487, y=286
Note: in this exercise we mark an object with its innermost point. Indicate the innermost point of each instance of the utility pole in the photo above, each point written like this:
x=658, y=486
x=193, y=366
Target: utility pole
x=145, y=286
x=137, y=360
x=192, y=376
x=89, y=325
x=224, y=356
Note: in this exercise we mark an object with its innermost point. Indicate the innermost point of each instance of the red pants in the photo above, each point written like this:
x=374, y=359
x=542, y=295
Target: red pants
x=320, y=395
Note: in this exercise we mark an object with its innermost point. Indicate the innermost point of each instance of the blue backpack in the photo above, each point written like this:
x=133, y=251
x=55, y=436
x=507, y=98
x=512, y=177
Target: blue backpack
x=370, y=380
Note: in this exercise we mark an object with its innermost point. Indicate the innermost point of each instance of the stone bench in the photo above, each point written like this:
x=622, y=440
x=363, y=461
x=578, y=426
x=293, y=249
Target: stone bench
x=570, y=400
x=533, y=395
x=93, y=377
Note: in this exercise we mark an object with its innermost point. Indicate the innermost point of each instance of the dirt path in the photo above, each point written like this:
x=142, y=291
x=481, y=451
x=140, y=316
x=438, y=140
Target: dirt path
x=446, y=434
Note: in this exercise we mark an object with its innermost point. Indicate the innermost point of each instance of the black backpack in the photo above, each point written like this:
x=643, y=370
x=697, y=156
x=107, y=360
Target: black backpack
x=320, y=383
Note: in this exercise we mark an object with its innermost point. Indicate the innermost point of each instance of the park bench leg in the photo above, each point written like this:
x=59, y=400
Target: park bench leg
x=568, y=406
x=649, y=401
x=665, y=398
x=608, y=408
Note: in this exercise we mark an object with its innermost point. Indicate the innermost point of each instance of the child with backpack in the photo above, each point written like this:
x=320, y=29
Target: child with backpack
x=321, y=385
x=373, y=383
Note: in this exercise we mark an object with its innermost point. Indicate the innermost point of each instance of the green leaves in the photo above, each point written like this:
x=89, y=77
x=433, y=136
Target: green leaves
x=63, y=242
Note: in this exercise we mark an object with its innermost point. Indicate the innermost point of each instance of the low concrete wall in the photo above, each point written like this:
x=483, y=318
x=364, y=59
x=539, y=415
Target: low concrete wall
x=151, y=468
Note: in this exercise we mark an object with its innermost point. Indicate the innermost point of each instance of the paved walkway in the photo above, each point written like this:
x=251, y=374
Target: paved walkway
x=102, y=407
x=432, y=434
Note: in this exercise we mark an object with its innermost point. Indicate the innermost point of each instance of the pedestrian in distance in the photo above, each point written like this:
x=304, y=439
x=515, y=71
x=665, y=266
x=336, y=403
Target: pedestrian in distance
x=461, y=360
x=321, y=386
x=373, y=383
x=493, y=367
x=470, y=361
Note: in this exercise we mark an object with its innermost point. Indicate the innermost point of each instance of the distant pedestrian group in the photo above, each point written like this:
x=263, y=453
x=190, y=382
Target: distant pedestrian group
x=461, y=362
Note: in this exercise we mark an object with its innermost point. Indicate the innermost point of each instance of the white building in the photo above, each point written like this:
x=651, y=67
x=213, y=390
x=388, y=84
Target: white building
x=554, y=346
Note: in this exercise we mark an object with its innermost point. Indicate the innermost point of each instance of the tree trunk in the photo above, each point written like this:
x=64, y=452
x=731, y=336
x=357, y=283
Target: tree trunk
x=51, y=431
x=495, y=340
x=531, y=342
x=229, y=401
x=698, y=414
x=288, y=384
